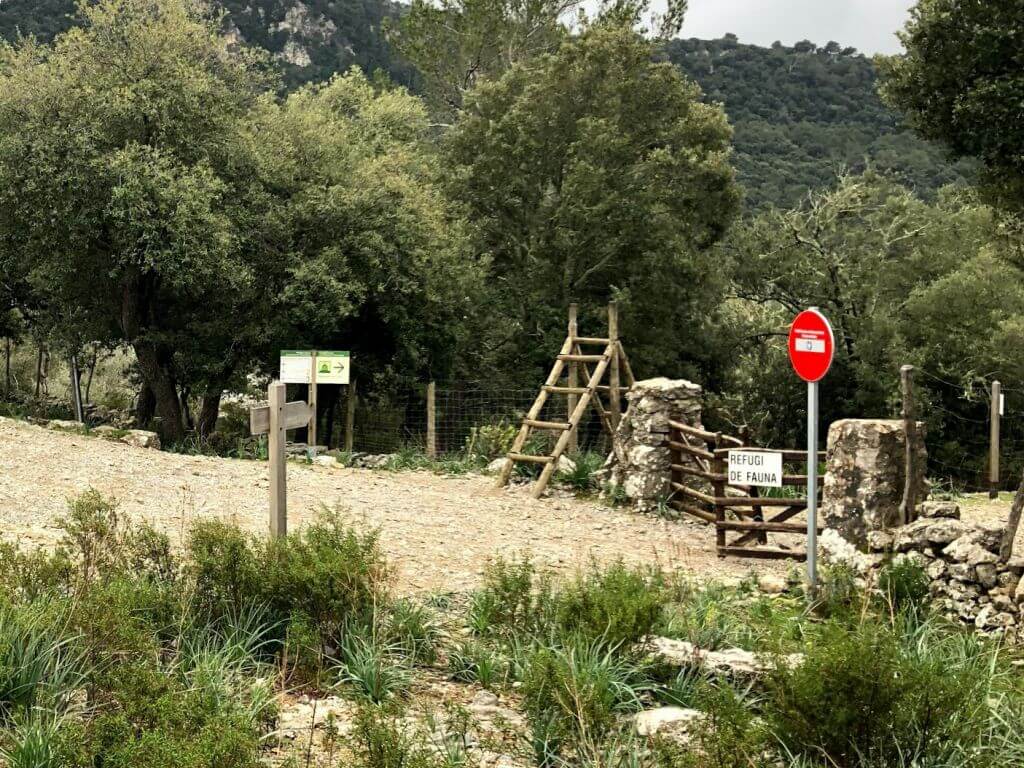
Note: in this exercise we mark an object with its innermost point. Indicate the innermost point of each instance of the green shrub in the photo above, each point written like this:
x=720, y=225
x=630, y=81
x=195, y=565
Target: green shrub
x=224, y=566
x=380, y=739
x=513, y=600
x=302, y=661
x=490, y=441
x=726, y=737
x=327, y=572
x=617, y=604
x=904, y=584
x=880, y=694
x=839, y=595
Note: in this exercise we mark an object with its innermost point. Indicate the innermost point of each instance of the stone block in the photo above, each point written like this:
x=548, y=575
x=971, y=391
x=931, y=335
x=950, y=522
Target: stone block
x=865, y=476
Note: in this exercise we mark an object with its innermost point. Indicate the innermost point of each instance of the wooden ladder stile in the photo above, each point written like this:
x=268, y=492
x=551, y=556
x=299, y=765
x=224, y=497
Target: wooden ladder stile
x=575, y=363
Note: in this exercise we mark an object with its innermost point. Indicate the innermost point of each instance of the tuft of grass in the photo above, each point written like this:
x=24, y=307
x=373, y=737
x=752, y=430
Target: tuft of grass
x=372, y=668
x=472, y=661
x=581, y=477
x=413, y=629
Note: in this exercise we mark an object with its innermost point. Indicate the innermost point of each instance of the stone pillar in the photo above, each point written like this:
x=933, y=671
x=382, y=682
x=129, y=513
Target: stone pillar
x=640, y=462
x=864, y=477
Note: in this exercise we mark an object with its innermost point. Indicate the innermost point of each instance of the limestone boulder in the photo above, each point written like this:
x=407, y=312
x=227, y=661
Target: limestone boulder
x=141, y=438
x=865, y=476
x=938, y=508
x=929, y=532
x=662, y=719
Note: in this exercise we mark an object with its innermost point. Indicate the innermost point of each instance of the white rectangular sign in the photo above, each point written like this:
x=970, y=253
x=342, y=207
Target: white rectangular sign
x=1002, y=404
x=332, y=367
x=296, y=366
x=811, y=345
x=760, y=468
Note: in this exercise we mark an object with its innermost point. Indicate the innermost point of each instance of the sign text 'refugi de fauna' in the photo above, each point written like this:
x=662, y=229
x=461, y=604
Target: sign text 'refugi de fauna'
x=759, y=468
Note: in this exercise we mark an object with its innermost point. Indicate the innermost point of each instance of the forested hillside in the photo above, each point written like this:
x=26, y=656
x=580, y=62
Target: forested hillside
x=802, y=113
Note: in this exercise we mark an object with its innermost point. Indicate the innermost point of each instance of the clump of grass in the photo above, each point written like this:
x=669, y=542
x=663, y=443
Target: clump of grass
x=580, y=477
x=413, y=629
x=372, y=668
x=473, y=661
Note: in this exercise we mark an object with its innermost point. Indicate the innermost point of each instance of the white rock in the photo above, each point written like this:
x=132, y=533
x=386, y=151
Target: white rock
x=836, y=550
x=772, y=584
x=141, y=438
x=325, y=461
x=939, y=508
x=652, y=721
x=497, y=465
x=734, y=662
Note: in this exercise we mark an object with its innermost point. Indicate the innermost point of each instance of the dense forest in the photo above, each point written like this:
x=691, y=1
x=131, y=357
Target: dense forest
x=801, y=114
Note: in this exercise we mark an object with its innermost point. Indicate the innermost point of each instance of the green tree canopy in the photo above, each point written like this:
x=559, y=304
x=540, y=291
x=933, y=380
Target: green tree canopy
x=153, y=193
x=594, y=173
x=961, y=82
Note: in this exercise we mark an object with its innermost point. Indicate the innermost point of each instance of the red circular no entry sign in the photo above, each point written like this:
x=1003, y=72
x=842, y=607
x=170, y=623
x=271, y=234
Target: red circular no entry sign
x=811, y=345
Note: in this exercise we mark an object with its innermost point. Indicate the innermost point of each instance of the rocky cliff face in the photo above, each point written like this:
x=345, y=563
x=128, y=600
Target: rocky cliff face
x=312, y=39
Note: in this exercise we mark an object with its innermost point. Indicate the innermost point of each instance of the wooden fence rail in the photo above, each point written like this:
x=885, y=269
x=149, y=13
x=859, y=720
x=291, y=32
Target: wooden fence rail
x=701, y=457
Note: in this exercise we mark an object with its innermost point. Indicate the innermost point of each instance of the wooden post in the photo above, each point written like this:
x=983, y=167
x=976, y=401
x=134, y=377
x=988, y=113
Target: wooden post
x=39, y=371
x=76, y=390
x=574, y=444
x=350, y=416
x=993, y=448
x=311, y=431
x=908, y=505
x=431, y=420
x=720, y=468
x=7, y=366
x=1010, y=532
x=276, y=445
x=614, y=404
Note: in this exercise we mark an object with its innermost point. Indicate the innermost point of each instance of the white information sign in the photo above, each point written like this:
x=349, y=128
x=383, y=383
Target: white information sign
x=1002, y=404
x=759, y=468
x=332, y=367
x=296, y=366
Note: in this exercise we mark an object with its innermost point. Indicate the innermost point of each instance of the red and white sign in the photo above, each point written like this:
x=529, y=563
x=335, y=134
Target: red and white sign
x=811, y=345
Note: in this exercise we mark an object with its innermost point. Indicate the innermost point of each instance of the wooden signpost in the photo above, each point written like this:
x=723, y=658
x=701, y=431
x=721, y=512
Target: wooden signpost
x=274, y=420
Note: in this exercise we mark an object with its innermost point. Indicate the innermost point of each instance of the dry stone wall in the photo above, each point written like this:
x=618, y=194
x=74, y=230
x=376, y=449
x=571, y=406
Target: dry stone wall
x=641, y=461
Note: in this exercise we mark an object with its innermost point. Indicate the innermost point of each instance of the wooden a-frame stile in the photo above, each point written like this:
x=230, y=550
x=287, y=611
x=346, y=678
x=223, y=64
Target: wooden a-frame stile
x=611, y=362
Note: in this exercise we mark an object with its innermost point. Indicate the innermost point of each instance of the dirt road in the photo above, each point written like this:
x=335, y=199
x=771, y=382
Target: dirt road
x=438, y=531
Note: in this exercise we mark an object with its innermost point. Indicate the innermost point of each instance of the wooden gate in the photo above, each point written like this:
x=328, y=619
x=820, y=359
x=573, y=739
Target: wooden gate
x=702, y=458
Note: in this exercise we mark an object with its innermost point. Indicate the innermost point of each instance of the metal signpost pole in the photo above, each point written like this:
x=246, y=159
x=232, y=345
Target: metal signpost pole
x=812, y=485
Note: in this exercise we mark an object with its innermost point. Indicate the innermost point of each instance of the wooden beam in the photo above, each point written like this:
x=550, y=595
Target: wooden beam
x=765, y=553
x=573, y=382
x=294, y=415
x=278, y=426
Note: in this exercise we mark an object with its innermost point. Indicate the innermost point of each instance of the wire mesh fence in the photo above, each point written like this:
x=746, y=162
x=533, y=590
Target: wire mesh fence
x=959, y=437
x=397, y=420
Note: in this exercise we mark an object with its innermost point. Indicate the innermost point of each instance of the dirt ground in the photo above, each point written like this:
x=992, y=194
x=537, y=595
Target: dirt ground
x=437, y=531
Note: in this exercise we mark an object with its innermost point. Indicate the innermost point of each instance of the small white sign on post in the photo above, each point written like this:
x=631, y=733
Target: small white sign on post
x=1002, y=404
x=758, y=468
x=296, y=366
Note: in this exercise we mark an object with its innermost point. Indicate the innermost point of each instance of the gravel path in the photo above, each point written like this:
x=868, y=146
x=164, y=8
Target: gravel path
x=438, y=531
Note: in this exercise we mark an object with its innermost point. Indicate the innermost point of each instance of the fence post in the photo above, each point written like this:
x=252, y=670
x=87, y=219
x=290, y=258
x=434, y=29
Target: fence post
x=311, y=429
x=276, y=446
x=76, y=389
x=7, y=366
x=350, y=416
x=720, y=468
x=907, y=506
x=573, y=378
x=613, y=382
x=431, y=423
x=1010, y=532
x=993, y=449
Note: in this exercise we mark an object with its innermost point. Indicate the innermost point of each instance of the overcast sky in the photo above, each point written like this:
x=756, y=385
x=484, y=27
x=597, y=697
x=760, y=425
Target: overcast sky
x=868, y=25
